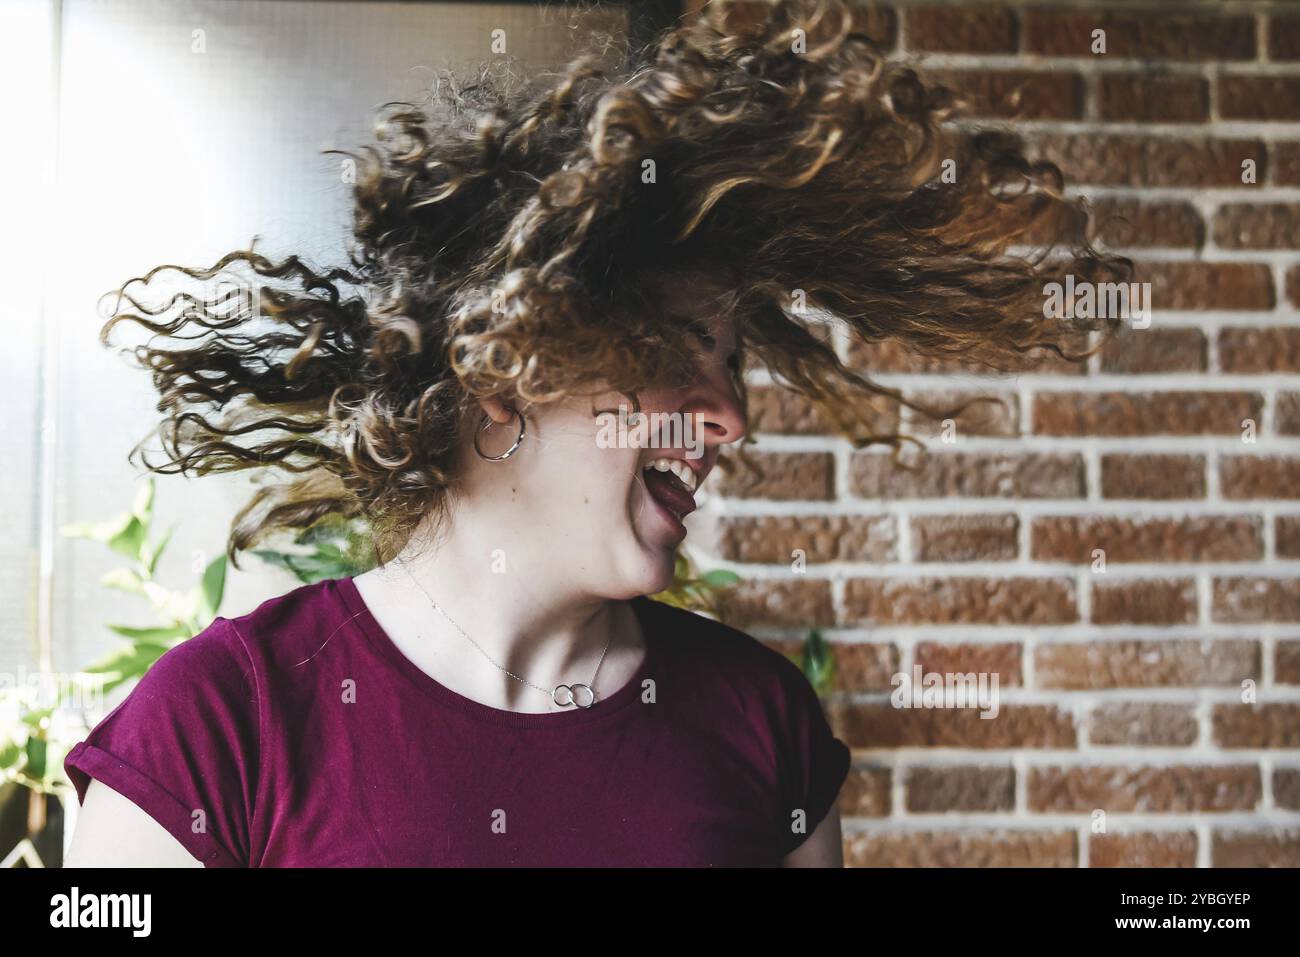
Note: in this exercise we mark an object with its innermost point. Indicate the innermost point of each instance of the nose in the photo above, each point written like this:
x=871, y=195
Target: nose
x=719, y=407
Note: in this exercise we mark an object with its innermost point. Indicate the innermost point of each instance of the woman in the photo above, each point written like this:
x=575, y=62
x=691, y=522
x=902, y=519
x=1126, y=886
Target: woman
x=531, y=267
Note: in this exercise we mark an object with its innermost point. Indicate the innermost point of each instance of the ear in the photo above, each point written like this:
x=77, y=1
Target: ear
x=497, y=409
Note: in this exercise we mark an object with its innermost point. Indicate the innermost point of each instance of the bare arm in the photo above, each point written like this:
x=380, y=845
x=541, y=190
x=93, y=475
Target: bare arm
x=823, y=848
x=114, y=832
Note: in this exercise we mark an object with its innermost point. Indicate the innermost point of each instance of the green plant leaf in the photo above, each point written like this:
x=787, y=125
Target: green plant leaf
x=153, y=553
x=173, y=607
x=130, y=540
x=11, y=756
x=128, y=662
x=36, y=751
x=681, y=566
x=314, y=567
x=123, y=579
x=142, y=507
x=34, y=717
x=818, y=662
x=720, y=578
x=156, y=635
x=329, y=527
x=98, y=531
x=330, y=552
x=88, y=530
x=278, y=559
x=213, y=588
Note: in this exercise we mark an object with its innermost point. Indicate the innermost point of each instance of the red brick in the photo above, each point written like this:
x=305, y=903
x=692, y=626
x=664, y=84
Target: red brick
x=1155, y=34
x=1146, y=849
x=1286, y=414
x=800, y=603
x=1142, y=223
x=1144, y=413
x=965, y=538
x=772, y=539
x=1144, y=602
x=1284, y=162
x=864, y=666
x=1283, y=37
x=1286, y=788
x=1243, y=349
x=1243, y=97
x=1200, y=538
x=1143, y=724
x=1256, y=725
x=1286, y=534
x=1273, y=847
x=1124, y=789
x=866, y=793
x=1160, y=477
x=1016, y=726
x=1286, y=663
x=892, y=355
x=1118, y=159
x=964, y=848
x=780, y=476
x=1187, y=286
x=969, y=475
x=876, y=21
x=1293, y=285
x=1153, y=350
x=784, y=412
x=1172, y=663
x=950, y=29
x=959, y=600
x=986, y=414
x=1249, y=600
x=1257, y=226
x=1001, y=658
x=1152, y=98
x=1019, y=94
x=970, y=788
x=857, y=666
x=1259, y=477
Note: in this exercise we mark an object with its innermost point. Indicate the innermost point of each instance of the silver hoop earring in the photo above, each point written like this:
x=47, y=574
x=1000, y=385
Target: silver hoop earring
x=487, y=423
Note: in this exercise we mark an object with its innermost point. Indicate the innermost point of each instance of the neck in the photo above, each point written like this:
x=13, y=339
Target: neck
x=515, y=600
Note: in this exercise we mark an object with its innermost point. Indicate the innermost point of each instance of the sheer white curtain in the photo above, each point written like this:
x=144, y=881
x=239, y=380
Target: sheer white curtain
x=142, y=132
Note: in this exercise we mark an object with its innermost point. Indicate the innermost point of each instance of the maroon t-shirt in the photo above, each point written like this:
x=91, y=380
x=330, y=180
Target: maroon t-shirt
x=300, y=735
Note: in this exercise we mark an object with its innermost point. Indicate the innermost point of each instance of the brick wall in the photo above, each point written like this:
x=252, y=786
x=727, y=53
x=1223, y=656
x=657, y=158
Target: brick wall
x=1119, y=541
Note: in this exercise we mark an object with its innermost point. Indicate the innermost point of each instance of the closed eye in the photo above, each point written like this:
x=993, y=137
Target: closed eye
x=702, y=333
x=710, y=342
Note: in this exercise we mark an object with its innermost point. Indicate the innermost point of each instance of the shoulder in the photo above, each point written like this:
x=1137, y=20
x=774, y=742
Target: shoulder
x=283, y=631
x=216, y=658
x=712, y=649
x=727, y=675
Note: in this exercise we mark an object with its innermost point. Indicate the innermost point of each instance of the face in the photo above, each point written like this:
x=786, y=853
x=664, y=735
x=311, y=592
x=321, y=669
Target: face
x=602, y=505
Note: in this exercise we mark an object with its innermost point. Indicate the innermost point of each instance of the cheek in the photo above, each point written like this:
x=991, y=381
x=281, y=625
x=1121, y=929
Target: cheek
x=610, y=495
x=580, y=477
x=601, y=480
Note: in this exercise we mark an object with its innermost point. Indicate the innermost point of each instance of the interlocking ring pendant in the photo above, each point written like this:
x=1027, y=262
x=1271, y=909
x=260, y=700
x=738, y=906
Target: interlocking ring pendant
x=572, y=695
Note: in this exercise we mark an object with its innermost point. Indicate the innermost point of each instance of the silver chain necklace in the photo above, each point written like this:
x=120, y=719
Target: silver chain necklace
x=574, y=694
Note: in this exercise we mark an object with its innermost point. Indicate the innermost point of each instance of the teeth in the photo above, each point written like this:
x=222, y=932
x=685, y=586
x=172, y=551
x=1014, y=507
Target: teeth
x=680, y=469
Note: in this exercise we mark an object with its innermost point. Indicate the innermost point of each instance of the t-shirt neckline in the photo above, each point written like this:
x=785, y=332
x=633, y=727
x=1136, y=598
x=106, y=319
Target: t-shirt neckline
x=615, y=703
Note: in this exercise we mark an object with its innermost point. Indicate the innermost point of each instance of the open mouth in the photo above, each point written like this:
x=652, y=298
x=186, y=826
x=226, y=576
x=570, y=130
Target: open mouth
x=672, y=483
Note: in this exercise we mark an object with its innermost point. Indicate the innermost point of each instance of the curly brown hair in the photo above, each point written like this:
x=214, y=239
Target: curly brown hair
x=512, y=238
